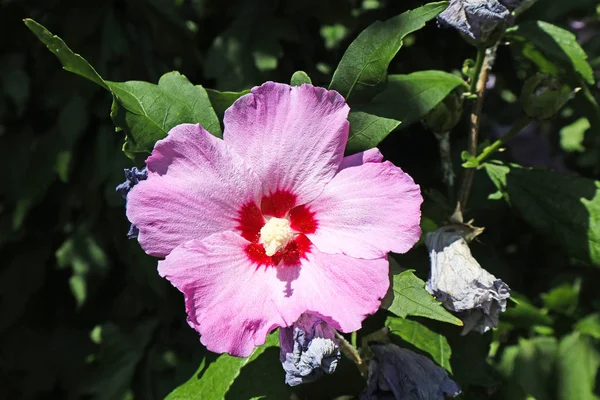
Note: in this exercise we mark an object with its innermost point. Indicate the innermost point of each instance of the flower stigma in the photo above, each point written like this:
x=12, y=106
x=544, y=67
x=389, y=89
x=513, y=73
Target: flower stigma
x=275, y=235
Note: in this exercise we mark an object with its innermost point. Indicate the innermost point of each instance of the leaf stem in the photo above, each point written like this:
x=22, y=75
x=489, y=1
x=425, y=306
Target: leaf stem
x=485, y=60
x=514, y=130
x=350, y=351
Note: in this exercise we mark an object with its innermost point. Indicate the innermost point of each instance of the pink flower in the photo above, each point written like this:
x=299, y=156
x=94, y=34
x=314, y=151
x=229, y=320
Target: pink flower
x=273, y=221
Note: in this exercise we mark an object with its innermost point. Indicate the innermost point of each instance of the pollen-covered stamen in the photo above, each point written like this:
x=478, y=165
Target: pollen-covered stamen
x=275, y=235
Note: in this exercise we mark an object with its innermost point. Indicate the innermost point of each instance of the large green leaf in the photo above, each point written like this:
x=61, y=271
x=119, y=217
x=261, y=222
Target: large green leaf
x=564, y=207
x=363, y=68
x=576, y=367
x=406, y=99
x=411, y=298
x=147, y=111
x=70, y=61
x=563, y=298
x=213, y=381
x=589, y=325
x=528, y=368
x=422, y=338
x=558, y=45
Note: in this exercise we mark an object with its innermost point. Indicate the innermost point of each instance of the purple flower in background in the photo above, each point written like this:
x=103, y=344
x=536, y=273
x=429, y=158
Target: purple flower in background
x=308, y=349
x=477, y=18
x=400, y=374
x=133, y=176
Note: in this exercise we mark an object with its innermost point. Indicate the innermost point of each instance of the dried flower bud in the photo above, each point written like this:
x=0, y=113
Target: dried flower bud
x=543, y=96
x=133, y=176
x=446, y=114
x=398, y=374
x=480, y=20
x=460, y=283
x=308, y=349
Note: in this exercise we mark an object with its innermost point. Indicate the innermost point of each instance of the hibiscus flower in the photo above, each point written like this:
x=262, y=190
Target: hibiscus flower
x=273, y=221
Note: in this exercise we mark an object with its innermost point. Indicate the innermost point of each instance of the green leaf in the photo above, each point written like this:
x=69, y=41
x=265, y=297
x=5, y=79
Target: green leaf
x=363, y=68
x=563, y=298
x=422, y=338
x=571, y=136
x=528, y=368
x=70, y=61
x=576, y=368
x=469, y=160
x=411, y=298
x=213, y=381
x=146, y=112
x=589, y=325
x=406, y=99
x=367, y=130
x=221, y=101
x=564, y=207
x=559, y=45
x=299, y=78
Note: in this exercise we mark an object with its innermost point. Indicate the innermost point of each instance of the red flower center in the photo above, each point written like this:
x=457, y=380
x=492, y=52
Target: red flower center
x=280, y=204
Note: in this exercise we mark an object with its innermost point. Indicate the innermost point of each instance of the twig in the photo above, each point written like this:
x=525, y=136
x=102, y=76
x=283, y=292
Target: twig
x=516, y=128
x=479, y=89
x=350, y=351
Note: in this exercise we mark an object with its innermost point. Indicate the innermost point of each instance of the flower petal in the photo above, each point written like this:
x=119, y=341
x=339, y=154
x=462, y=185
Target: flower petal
x=196, y=186
x=341, y=290
x=293, y=137
x=368, y=211
x=228, y=298
x=371, y=155
x=233, y=302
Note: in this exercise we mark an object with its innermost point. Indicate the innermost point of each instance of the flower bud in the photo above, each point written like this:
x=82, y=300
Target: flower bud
x=446, y=114
x=308, y=349
x=460, y=283
x=398, y=374
x=543, y=96
x=133, y=176
x=483, y=21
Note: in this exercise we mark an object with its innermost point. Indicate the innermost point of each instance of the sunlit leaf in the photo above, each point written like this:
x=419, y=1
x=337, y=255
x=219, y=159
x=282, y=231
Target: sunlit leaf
x=589, y=325
x=528, y=368
x=405, y=99
x=213, y=381
x=563, y=298
x=411, y=298
x=559, y=45
x=70, y=61
x=576, y=368
x=363, y=68
x=146, y=112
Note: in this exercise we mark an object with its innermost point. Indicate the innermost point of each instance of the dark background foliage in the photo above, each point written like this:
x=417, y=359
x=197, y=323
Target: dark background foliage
x=84, y=314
